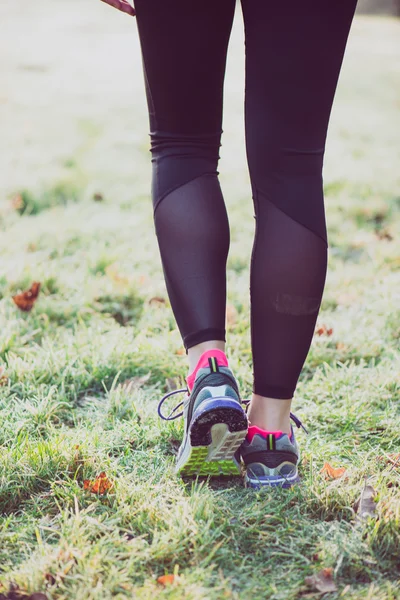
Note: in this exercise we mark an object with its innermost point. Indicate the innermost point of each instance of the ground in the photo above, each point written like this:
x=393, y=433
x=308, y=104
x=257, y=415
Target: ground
x=76, y=216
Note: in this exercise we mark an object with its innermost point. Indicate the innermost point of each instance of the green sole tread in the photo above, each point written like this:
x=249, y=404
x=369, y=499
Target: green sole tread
x=198, y=465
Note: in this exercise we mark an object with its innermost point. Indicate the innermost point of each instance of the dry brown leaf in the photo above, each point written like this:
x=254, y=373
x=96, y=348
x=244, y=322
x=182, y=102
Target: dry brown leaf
x=49, y=577
x=3, y=376
x=157, y=301
x=98, y=197
x=323, y=330
x=167, y=579
x=100, y=485
x=365, y=506
x=384, y=234
x=332, y=472
x=135, y=383
x=390, y=459
x=322, y=582
x=27, y=299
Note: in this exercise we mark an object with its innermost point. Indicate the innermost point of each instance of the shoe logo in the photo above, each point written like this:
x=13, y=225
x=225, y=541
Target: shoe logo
x=212, y=361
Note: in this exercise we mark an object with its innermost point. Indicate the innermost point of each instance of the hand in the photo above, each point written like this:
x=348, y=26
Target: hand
x=122, y=5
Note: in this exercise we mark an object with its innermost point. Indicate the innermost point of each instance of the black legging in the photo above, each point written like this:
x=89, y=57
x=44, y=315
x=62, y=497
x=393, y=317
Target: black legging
x=294, y=52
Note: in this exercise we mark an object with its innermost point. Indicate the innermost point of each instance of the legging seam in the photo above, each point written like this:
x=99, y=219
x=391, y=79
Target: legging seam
x=292, y=218
x=179, y=186
x=252, y=260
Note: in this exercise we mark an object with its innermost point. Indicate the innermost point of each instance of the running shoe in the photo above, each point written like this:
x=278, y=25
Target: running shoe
x=271, y=457
x=215, y=421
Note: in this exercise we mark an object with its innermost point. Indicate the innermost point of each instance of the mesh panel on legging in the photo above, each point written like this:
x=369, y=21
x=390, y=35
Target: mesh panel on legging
x=193, y=236
x=288, y=271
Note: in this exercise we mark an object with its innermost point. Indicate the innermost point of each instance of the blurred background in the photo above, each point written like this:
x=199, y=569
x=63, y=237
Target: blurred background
x=72, y=104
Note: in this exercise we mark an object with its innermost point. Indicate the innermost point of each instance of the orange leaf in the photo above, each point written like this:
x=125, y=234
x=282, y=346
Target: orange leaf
x=331, y=472
x=322, y=581
x=100, y=485
x=166, y=580
x=27, y=299
x=323, y=330
x=17, y=202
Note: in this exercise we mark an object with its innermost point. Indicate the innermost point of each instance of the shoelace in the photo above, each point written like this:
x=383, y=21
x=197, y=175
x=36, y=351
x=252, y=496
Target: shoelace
x=172, y=416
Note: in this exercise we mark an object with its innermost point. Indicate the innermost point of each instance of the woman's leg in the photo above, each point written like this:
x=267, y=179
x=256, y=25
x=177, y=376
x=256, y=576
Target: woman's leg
x=184, y=46
x=294, y=52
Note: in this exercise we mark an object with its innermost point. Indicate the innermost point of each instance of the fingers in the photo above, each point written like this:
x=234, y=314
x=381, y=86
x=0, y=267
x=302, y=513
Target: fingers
x=122, y=5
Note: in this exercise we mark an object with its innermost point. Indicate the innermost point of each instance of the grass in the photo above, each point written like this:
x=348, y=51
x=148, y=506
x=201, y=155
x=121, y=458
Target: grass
x=66, y=415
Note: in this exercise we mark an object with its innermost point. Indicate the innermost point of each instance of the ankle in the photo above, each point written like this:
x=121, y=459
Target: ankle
x=195, y=352
x=270, y=414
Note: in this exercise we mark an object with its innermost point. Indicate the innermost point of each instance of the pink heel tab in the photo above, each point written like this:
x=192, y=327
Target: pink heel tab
x=203, y=362
x=254, y=430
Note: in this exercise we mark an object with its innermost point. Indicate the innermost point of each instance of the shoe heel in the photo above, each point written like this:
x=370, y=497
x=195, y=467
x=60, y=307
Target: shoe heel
x=217, y=430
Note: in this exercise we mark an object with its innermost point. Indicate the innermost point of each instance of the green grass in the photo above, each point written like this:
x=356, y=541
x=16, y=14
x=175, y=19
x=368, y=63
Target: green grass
x=65, y=417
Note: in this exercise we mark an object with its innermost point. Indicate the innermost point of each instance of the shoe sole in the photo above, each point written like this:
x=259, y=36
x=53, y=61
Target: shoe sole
x=216, y=431
x=271, y=481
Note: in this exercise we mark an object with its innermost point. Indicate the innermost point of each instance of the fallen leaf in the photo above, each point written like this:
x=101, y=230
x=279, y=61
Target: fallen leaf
x=390, y=459
x=365, y=506
x=156, y=301
x=323, y=330
x=17, y=202
x=315, y=557
x=27, y=299
x=101, y=485
x=180, y=351
x=384, y=234
x=135, y=383
x=3, y=376
x=166, y=580
x=332, y=472
x=322, y=582
x=49, y=577
x=98, y=197
x=340, y=346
